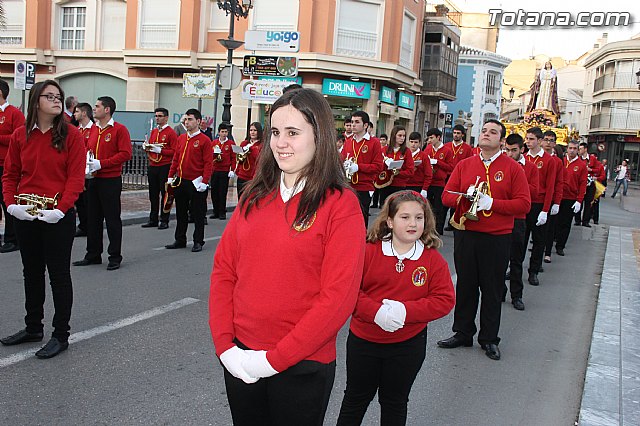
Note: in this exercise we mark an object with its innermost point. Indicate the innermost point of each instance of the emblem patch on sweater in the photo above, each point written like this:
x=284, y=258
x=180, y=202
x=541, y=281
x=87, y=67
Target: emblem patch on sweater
x=419, y=276
x=304, y=224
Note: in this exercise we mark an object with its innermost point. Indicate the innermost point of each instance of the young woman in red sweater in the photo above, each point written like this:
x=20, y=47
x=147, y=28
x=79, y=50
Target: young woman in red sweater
x=406, y=284
x=46, y=158
x=246, y=169
x=287, y=270
x=397, y=150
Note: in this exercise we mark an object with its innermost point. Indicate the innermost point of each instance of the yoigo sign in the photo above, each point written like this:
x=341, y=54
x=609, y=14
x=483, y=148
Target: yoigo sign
x=276, y=41
x=345, y=88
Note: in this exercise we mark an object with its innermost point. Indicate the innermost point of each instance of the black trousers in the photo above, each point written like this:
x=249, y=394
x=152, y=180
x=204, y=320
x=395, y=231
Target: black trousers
x=595, y=211
x=219, y=189
x=563, y=227
x=386, y=191
x=104, y=206
x=435, y=199
x=586, y=205
x=538, y=235
x=9, y=227
x=481, y=261
x=47, y=246
x=517, y=253
x=82, y=207
x=297, y=396
x=389, y=369
x=158, y=176
x=240, y=184
x=375, y=202
x=189, y=201
x=552, y=223
x=365, y=201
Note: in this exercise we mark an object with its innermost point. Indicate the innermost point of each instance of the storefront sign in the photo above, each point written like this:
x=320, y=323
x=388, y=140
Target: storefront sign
x=263, y=91
x=283, y=66
x=406, y=100
x=276, y=41
x=387, y=95
x=345, y=88
x=292, y=80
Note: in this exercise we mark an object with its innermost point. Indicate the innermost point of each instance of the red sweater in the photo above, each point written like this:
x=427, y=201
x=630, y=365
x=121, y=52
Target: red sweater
x=424, y=287
x=443, y=168
x=459, y=152
x=531, y=172
x=368, y=155
x=226, y=155
x=285, y=291
x=406, y=171
x=112, y=146
x=423, y=173
x=558, y=186
x=169, y=139
x=575, y=179
x=594, y=167
x=10, y=120
x=36, y=167
x=86, y=134
x=547, y=173
x=193, y=158
x=507, y=186
x=247, y=169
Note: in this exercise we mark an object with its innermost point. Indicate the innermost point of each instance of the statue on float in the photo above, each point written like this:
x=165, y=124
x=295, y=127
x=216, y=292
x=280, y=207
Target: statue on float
x=544, y=91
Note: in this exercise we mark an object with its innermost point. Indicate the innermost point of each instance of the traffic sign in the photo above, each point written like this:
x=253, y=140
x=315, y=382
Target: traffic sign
x=283, y=66
x=448, y=119
x=25, y=75
x=230, y=77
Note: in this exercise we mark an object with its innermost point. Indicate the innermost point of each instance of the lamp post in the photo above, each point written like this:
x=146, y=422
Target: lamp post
x=235, y=9
x=512, y=93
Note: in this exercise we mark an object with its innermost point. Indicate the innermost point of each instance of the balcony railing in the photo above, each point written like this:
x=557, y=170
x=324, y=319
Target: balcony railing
x=619, y=80
x=360, y=44
x=12, y=35
x=623, y=119
x=158, y=36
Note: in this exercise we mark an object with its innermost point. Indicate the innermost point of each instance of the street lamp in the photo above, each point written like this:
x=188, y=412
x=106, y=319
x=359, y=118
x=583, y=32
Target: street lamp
x=235, y=9
x=512, y=93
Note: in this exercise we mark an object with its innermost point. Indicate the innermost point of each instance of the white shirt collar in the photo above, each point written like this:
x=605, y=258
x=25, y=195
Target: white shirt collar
x=457, y=144
x=574, y=159
x=69, y=113
x=539, y=154
x=288, y=193
x=416, y=153
x=411, y=254
x=492, y=159
x=110, y=123
x=4, y=106
x=522, y=160
x=366, y=136
x=88, y=126
x=438, y=148
x=194, y=134
x=163, y=127
x=35, y=126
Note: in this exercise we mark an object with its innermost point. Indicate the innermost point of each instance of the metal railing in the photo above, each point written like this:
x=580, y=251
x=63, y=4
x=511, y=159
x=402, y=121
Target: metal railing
x=362, y=44
x=12, y=35
x=158, y=36
x=134, y=171
x=618, y=80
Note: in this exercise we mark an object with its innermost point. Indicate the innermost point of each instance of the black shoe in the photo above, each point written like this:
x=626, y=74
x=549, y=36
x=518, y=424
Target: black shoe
x=576, y=224
x=86, y=262
x=150, y=225
x=196, y=247
x=213, y=216
x=586, y=225
x=52, y=348
x=21, y=336
x=449, y=228
x=533, y=279
x=518, y=303
x=560, y=252
x=206, y=222
x=541, y=270
x=81, y=233
x=491, y=350
x=454, y=342
x=504, y=294
x=595, y=222
x=9, y=247
x=547, y=259
x=163, y=225
x=222, y=217
x=112, y=266
x=175, y=245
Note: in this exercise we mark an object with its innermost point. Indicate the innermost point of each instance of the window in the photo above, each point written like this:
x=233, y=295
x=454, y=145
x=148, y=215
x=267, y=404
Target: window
x=159, y=24
x=275, y=15
x=73, y=28
x=218, y=19
x=432, y=37
x=408, y=40
x=114, y=14
x=12, y=34
x=493, y=84
x=359, y=28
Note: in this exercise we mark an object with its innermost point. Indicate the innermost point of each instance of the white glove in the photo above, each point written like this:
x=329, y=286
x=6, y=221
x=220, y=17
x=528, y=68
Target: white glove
x=485, y=202
x=424, y=193
x=542, y=219
x=576, y=207
x=387, y=162
x=232, y=174
x=554, y=209
x=201, y=187
x=398, y=310
x=19, y=211
x=385, y=320
x=50, y=216
x=353, y=168
x=433, y=161
x=171, y=180
x=156, y=149
x=94, y=165
x=232, y=360
x=471, y=190
x=197, y=180
x=257, y=365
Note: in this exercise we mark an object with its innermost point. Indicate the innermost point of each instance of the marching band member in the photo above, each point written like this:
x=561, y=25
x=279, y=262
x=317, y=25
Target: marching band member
x=441, y=159
x=191, y=168
x=47, y=146
x=594, y=169
x=347, y=128
x=540, y=205
x=549, y=145
x=10, y=119
x=406, y=284
x=421, y=179
x=83, y=114
x=245, y=170
x=481, y=248
x=460, y=150
x=514, y=146
x=222, y=159
x=363, y=155
x=111, y=148
x=297, y=221
x=398, y=177
x=160, y=151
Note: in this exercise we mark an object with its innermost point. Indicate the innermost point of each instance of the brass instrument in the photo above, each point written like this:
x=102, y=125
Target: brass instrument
x=217, y=154
x=37, y=202
x=348, y=162
x=242, y=157
x=482, y=188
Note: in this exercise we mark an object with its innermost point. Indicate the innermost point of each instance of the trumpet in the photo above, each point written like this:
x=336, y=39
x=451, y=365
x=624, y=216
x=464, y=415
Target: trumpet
x=348, y=162
x=482, y=188
x=217, y=154
x=37, y=202
x=241, y=158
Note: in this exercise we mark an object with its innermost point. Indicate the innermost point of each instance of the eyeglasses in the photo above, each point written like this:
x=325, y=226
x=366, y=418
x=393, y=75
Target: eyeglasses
x=160, y=116
x=52, y=98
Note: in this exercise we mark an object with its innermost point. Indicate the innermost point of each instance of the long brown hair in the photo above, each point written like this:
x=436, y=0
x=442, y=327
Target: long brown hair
x=323, y=173
x=380, y=229
x=392, y=140
x=59, y=130
x=260, y=131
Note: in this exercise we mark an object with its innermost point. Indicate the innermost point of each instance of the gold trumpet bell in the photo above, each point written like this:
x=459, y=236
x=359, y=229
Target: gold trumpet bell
x=472, y=213
x=37, y=202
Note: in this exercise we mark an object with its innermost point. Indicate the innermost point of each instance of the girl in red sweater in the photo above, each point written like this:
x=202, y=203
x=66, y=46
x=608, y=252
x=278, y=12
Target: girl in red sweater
x=46, y=158
x=287, y=271
x=246, y=169
x=406, y=284
x=390, y=181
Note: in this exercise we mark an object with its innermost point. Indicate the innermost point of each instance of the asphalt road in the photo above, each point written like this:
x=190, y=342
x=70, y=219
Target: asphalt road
x=143, y=353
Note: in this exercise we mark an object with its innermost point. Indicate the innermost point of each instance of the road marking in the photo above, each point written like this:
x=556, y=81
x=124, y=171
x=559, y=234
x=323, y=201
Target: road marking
x=190, y=243
x=88, y=334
